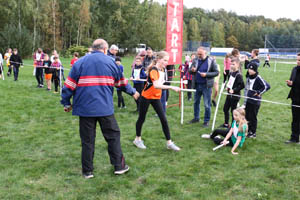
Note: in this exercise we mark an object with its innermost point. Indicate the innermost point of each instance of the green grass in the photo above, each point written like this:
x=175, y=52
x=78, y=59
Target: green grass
x=40, y=150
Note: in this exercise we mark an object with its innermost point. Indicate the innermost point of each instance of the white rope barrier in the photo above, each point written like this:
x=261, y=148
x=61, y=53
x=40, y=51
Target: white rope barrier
x=217, y=106
x=263, y=100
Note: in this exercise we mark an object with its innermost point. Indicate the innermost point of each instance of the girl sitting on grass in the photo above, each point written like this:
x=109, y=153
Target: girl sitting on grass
x=237, y=133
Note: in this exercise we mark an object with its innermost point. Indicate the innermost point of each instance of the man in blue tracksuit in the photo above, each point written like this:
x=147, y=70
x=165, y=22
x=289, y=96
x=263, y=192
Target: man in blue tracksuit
x=204, y=69
x=90, y=82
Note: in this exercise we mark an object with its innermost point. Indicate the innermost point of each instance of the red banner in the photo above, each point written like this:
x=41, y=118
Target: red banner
x=174, y=31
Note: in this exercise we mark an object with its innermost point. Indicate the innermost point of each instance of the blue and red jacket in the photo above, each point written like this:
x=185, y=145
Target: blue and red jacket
x=91, y=82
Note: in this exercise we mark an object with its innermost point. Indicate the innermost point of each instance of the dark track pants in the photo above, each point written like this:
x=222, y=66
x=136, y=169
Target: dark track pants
x=230, y=104
x=220, y=132
x=156, y=104
x=111, y=133
x=296, y=122
x=251, y=116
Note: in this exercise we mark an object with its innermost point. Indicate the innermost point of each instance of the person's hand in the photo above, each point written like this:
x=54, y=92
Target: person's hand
x=203, y=75
x=131, y=78
x=184, y=77
x=290, y=83
x=68, y=108
x=246, y=58
x=193, y=69
x=176, y=89
x=136, y=95
x=224, y=73
x=256, y=94
x=234, y=153
x=231, y=91
x=224, y=142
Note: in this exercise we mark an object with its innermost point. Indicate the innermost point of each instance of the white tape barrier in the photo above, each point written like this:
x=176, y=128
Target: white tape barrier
x=38, y=66
x=145, y=80
x=262, y=100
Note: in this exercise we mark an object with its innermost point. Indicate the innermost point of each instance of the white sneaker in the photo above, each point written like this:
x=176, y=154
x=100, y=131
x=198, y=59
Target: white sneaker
x=172, y=146
x=139, y=144
x=205, y=136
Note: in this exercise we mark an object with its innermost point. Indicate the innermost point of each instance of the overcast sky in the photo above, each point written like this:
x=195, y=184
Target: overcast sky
x=269, y=9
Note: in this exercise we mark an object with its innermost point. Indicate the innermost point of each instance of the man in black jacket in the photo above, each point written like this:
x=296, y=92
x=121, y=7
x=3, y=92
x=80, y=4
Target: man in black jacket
x=294, y=83
x=16, y=61
x=148, y=58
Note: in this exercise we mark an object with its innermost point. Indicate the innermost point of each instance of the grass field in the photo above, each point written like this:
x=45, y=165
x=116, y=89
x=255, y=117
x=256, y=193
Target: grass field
x=40, y=150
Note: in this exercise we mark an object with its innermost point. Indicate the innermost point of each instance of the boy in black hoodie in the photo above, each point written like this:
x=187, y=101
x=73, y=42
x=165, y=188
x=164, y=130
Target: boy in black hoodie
x=234, y=86
x=16, y=61
x=256, y=86
x=254, y=57
x=294, y=83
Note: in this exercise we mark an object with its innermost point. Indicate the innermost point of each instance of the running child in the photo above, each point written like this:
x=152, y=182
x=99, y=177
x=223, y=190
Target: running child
x=151, y=95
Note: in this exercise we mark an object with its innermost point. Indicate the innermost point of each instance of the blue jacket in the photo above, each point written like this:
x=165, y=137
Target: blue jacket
x=90, y=82
x=143, y=75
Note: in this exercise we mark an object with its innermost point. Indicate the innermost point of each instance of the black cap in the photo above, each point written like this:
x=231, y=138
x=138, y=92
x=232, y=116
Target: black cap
x=253, y=66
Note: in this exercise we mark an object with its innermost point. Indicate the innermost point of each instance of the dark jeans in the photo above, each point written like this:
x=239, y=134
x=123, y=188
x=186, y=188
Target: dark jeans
x=39, y=75
x=230, y=104
x=202, y=89
x=251, y=116
x=111, y=133
x=226, y=75
x=9, y=70
x=220, y=132
x=139, y=88
x=16, y=72
x=120, y=99
x=156, y=104
x=295, y=122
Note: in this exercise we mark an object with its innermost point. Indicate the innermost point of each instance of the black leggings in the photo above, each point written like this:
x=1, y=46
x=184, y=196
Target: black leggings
x=226, y=75
x=222, y=132
x=120, y=99
x=156, y=104
x=56, y=79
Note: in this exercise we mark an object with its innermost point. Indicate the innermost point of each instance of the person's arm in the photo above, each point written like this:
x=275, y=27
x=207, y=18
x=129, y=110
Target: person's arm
x=290, y=81
x=158, y=85
x=240, y=84
x=214, y=70
x=239, y=138
x=227, y=136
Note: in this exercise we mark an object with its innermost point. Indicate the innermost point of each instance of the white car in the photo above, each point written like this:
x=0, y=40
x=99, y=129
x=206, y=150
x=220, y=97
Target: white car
x=140, y=47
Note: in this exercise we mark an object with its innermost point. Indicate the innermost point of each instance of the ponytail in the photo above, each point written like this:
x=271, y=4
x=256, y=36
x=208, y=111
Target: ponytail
x=160, y=55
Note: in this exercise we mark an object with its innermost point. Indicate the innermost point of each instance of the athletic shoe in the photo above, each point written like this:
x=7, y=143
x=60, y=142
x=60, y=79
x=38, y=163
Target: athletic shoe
x=194, y=121
x=172, y=146
x=206, y=136
x=122, y=171
x=139, y=144
x=55, y=92
x=190, y=99
x=124, y=107
x=251, y=135
x=88, y=175
x=291, y=142
x=224, y=126
x=41, y=85
x=213, y=103
x=205, y=124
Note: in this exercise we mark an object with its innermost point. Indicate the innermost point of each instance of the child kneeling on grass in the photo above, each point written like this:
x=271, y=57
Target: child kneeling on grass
x=237, y=133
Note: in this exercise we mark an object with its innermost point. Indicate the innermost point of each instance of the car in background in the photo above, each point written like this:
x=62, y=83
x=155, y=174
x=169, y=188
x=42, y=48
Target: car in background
x=140, y=47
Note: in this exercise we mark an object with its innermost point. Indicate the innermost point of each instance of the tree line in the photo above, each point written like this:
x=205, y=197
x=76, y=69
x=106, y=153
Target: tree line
x=61, y=24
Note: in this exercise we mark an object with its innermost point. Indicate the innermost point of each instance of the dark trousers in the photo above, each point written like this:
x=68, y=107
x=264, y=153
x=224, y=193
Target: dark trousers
x=163, y=100
x=226, y=75
x=189, y=86
x=120, y=99
x=295, y=122
x=230, y=104
x=267, y=63
x=16, y=72
x=111, y=133
x=56, y=79
x=9, y=70
x=156, y=104
x=220, y=132
x=39, y=75
x=139, y=88
x=251, y=116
